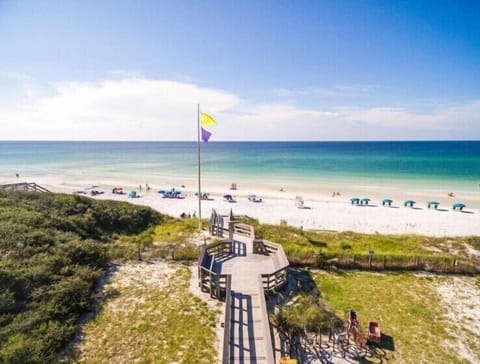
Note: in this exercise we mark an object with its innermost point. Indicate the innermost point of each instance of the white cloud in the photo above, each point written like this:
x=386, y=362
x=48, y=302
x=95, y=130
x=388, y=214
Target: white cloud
x=137, y=108
x=130, y=108
x=324, y=92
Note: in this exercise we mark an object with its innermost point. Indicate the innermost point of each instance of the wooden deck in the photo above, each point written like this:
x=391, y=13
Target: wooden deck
x=241, y=270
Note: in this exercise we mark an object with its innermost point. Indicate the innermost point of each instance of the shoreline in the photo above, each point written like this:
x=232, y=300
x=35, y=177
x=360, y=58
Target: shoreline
x=322, y=212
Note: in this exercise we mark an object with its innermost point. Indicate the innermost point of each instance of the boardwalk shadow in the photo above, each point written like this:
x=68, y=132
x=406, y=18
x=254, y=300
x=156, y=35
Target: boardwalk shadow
x=239, y=249
x=242, y=332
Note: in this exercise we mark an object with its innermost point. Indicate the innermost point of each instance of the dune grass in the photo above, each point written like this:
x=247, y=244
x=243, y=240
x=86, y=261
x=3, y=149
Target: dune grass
x=145, y=323
x=302, y=245
x=175, y=231
x=406, y=305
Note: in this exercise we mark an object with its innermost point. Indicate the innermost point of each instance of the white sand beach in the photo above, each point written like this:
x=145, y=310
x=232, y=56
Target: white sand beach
x=322, y=211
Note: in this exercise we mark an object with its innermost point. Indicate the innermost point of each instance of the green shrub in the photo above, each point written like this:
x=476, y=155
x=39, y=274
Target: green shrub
x=53, y=251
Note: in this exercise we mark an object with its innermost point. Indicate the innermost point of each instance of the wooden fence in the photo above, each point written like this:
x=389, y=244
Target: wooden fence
x=376, y=262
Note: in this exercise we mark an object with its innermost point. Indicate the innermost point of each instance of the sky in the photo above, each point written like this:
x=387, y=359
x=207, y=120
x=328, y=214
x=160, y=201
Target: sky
x=266, y=70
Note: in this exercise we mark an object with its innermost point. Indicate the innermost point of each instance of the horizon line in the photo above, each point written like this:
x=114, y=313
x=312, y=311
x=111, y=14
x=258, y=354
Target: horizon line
x=237, y=141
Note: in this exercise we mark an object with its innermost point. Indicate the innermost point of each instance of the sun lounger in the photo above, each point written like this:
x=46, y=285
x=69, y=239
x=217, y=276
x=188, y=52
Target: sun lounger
x=254, y=198
x=229, y=198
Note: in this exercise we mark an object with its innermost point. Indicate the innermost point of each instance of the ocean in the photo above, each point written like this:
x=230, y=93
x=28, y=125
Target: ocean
x=436, y=165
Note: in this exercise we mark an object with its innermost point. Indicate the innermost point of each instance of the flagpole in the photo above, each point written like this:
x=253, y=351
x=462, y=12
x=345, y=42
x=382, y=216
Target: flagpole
x=199, y=184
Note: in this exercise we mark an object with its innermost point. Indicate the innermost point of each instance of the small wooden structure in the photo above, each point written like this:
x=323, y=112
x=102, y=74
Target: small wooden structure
x=23, y=186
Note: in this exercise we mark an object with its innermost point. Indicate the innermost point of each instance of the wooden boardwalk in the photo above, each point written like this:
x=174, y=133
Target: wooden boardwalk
x=250, y=339
x=249, y=265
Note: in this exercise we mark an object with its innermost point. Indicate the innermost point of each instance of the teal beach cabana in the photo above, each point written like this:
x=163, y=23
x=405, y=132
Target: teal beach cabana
x=459, y=206
x=133, y=194
x=409, y=203
x=433, y=204
x=354, y=200
x=387, y=201
x=364, y=201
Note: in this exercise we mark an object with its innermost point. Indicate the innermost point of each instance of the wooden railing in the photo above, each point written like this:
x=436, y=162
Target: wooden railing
x=269, y=352
x=227, y=322
x=23, y=186
x=273, y=281
x=244, y=230
x=208, y=279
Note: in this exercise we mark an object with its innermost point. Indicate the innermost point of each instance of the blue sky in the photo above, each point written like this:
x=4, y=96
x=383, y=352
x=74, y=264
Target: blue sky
x=268, y=70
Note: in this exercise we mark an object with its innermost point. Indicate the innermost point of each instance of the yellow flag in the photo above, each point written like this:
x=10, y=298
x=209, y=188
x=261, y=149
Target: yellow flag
x=207, y=120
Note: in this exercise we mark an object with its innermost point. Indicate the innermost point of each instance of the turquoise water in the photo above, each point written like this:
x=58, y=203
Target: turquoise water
x=438, y=164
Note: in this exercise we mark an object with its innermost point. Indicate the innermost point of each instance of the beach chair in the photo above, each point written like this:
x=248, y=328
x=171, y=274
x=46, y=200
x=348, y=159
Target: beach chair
x=364, y=201
x=229, y=198
x=133, y=194
x=374, y=332
x=254, y=198
x=354, y=200
x=299, y=203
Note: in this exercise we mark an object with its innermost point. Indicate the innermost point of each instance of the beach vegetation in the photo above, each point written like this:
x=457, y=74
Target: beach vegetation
x=160, y=319
x=416, y=332
x=53, y=251
x=350, y=249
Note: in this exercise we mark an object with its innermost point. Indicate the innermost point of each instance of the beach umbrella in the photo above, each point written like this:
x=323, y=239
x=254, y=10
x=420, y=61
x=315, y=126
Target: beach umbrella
x=387, y=201
x=433, y=203
x=459, y=206
x=355, y=200
x=409, y=203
